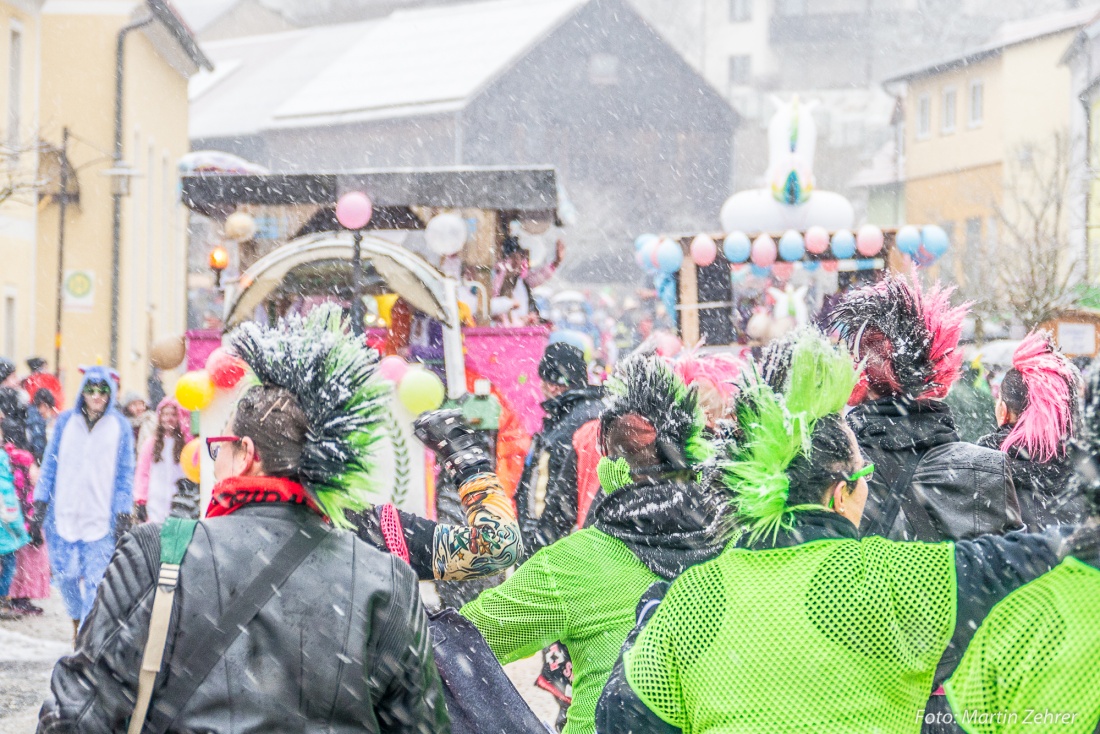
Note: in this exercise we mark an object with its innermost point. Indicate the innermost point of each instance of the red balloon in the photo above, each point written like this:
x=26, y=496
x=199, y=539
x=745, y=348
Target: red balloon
x=783, y=270
x=830, y=266
x=225, y=369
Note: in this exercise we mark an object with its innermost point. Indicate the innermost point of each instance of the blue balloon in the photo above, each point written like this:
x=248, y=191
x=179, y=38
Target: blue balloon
x=791, y=246
x=643, y=239
x=670, y=256
x=760, y=272
x=810, y=265
x=908, y=240
x=865, y=264
x=934, y=239
x=844, y=244
x=737, y=247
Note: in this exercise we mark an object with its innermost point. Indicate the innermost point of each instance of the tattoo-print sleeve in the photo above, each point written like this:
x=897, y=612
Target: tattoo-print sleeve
x=488, y=544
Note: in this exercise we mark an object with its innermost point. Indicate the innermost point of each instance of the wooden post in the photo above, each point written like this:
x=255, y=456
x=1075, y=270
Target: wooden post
x=689, y=297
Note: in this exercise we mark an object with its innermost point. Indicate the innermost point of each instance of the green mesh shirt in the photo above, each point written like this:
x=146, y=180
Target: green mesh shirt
x=582, y=590
x=1034, y=664
x=828, y=636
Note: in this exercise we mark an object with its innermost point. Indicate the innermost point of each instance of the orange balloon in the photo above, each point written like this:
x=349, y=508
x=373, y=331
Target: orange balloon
x=189, y=459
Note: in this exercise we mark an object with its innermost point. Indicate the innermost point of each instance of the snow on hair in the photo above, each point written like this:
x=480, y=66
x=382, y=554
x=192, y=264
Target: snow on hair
x=1051, y=382
x=721, y=370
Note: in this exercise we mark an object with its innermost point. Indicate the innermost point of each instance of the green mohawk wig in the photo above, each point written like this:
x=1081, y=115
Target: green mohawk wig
x=331, y=374
x=777, y=427
x=646, y=385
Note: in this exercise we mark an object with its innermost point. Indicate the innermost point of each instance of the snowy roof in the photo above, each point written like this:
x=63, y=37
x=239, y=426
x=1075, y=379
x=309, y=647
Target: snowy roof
x=1007, y=34
x=200, y=13
x=411, y=62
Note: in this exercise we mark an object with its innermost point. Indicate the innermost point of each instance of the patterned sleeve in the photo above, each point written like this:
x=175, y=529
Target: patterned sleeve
x=490, y=541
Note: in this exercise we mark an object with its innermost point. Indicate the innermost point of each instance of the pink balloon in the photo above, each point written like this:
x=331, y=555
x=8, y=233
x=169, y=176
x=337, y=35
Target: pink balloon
x=703, y=250
x=668, y=345
x=783, y=271
x=354, y=210
x=817, y=240
x=869, y=240
x=393, y=368
x=830, y=266
x=764, y=251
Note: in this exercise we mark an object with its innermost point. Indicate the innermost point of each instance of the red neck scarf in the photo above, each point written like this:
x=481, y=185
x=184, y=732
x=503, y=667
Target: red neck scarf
x=234, y=493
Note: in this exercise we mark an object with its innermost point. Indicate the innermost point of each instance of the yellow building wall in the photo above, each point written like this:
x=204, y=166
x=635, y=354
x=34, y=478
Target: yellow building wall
x=78, y=63
x=1036, y=91
x=17, y=214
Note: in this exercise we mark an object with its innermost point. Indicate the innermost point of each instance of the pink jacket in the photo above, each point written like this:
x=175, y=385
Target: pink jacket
x=145, y=456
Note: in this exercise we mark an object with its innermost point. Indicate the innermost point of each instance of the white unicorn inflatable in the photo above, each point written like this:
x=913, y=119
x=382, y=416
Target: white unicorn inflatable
x=791, y=201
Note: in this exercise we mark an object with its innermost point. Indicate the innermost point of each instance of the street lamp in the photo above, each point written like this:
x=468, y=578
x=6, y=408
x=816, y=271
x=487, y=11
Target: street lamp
x=219, y=261
x=353, y=211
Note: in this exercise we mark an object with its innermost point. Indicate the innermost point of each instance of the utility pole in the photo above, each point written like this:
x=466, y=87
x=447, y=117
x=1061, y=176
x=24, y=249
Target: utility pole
x=63, y=203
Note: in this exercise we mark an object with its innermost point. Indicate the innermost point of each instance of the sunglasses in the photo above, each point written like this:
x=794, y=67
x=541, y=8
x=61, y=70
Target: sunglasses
x=213, y=444
x=97, y=390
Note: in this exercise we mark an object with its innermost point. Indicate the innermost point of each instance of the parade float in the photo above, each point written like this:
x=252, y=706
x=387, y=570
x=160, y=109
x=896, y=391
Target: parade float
x=420, y=242
x=784, y=253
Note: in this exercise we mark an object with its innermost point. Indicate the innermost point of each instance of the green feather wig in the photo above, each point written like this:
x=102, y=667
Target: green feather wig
x=777, y=427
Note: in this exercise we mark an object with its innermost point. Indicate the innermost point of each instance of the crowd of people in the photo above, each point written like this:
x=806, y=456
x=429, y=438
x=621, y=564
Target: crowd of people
x=796, y=542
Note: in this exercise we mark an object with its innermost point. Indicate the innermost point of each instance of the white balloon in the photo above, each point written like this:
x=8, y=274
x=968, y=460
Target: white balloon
x=446, y=234
x=535, y=246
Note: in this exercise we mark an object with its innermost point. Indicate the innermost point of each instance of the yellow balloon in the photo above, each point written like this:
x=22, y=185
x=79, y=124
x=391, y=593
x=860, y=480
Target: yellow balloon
x=189, y=459
x=420, y=390
x=385, y=306
x=195, y=390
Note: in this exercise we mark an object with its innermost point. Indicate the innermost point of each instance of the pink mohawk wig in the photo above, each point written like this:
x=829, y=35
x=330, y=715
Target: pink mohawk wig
x=1051, y=383
x=721, y=370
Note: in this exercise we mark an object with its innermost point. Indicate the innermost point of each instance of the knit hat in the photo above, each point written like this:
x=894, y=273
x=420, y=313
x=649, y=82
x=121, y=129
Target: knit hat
x=36, y=363
x=563, y=364
x=332, y=376
x=907, y=338
x=7, y=367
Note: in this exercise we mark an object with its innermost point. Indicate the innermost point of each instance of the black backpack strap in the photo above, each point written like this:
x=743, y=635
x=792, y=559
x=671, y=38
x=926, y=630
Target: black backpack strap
x=899, y=489
x=211, y=644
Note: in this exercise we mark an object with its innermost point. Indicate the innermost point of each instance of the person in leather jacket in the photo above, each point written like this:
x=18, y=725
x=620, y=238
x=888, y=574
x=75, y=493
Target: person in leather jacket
x=343, y=644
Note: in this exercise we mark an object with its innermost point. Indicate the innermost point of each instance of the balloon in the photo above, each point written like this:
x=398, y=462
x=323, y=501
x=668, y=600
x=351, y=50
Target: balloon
x=645, y=256
x=644, y=239
x=924, y=258
x=385, y=303
x=761, y=271
x=844, y=244
x=670, y=256
x=737, y=247
x=908, y=239
x=354, y=210
x=240, y=226
x=764, y=251
x=791, y=246
x=934, y=239
x=817, y=240
x=869, y=240
x=189, y=460
x=194, y=390
x=168, y=353
x=535, y=246
x=811, y=265
x=668, y=345
x=420, y=390
x=703, y=250
x=830, y=266
x=446, y=234
x=783, y=271
x=757, y=327
x=225, y=369
x=578, y=339
x=392, y=368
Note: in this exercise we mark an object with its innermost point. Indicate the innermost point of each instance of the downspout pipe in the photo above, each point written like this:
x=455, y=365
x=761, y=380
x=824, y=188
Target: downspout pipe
x=116, y=198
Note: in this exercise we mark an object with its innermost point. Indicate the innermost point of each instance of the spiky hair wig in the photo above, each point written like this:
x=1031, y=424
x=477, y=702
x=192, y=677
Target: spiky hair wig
x=645, y=385
x=331, y=374
x=907, y=337
x=720, y=370
x=778, y=427
x=1050, y=384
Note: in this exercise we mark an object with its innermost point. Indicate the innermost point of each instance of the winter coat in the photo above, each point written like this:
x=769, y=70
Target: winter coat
x=13, y=531
x=966, y=490
x=32, y=563
x=121, y=501
x=1047, y=492
x=343, y=646
x=972, y=406
x=546, y=500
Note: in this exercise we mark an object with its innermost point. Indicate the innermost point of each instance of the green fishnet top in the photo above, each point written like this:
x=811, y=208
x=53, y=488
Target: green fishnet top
x=828, y=636
x=582, y=590
x=1034, y=664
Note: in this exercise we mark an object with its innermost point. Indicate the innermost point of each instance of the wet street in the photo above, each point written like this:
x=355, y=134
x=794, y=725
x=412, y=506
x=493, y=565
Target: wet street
x=30, y=646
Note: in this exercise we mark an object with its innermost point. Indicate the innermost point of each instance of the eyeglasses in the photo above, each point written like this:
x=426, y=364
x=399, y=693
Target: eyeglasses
x=213, y=444
x=865, y=473
x=97, y=389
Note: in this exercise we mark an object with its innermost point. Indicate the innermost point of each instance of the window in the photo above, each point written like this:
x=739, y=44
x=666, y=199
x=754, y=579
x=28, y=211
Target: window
x=924, y=116
x=9, y=326
x=740, y=70
x=15, y=86
x=740, y=11
x=977, y=103
x=950, y=98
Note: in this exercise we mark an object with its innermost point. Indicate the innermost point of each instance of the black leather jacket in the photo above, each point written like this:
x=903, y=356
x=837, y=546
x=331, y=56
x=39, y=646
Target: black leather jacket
x=966, y=490
x=343, y=645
